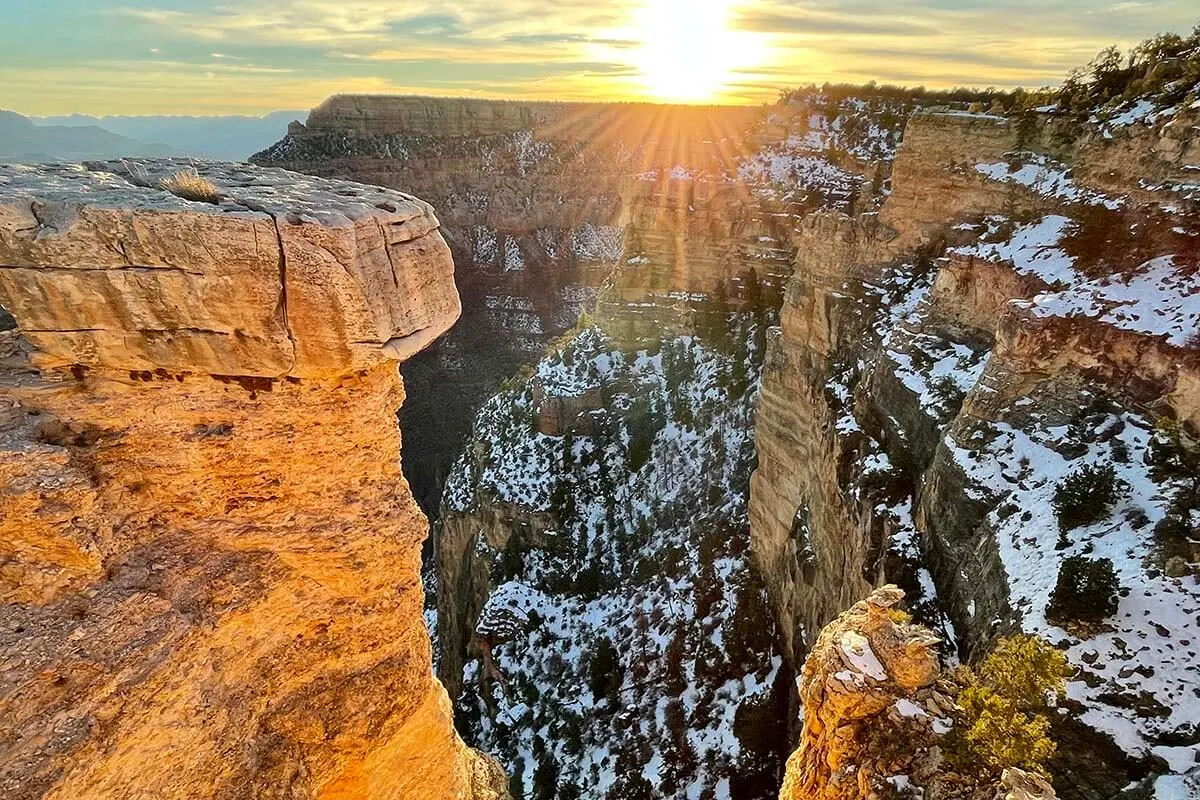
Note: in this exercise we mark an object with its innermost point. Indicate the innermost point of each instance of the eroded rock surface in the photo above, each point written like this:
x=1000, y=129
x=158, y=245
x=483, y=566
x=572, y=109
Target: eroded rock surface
x=284, y=275
x=877, y=708
x=210, y=560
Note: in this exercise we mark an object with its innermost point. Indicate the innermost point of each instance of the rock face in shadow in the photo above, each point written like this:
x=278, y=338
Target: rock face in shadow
x=210, y=559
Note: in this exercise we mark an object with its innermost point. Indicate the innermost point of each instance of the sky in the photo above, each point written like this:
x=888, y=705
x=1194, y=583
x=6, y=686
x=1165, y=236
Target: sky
x=253, y=56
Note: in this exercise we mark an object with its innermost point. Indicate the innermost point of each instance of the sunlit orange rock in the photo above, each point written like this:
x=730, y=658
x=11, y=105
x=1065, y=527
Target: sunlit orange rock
x=209, y=558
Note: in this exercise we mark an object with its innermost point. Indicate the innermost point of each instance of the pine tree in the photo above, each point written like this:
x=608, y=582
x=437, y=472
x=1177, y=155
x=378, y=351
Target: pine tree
x=545, y=777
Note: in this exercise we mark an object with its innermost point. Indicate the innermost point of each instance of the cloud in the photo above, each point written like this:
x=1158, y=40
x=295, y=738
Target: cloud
x=265, y=54
x=806, y=21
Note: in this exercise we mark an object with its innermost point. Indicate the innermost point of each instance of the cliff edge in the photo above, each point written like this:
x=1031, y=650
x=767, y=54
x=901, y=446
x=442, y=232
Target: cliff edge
x=209, y=559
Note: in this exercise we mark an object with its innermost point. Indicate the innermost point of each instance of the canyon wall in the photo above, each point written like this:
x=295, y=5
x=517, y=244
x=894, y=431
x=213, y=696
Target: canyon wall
x=1012, y=317
x=591, y=556
x=209, y=559
x=533, y=199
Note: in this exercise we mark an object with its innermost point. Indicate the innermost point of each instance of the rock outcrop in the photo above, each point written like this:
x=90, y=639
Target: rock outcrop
x=209, y=559
x=877, y=708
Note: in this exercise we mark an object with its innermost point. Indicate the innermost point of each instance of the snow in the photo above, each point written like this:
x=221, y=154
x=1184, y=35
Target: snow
x=1155, y=621
x=486, y=245
x=513, y=261
x=545, y=631
x=972, y=115
x=857, y=650
x=1159, y=300
x=603, y=243
x=909, y=710
x=1177, y=787
x=679, y=173
x=1032, y=249
x=788, y=167
x=1046, y=177
x=1141, y=111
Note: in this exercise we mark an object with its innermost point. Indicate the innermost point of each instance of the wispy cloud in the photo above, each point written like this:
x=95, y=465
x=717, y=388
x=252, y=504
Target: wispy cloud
x=254, y=55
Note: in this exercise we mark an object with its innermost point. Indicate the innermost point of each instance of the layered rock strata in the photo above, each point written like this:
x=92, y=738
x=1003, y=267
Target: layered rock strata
x=533, y=199
x=210, y=560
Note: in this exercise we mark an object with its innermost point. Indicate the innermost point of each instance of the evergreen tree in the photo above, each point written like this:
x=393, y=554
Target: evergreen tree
x=604, y=671
x=675, y=680
x=545, y=777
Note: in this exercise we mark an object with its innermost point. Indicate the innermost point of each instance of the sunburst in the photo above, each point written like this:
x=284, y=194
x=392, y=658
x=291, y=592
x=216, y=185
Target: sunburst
x=689, y=50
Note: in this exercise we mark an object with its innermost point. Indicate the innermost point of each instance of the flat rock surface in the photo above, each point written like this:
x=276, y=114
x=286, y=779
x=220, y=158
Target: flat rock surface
x=284, y=274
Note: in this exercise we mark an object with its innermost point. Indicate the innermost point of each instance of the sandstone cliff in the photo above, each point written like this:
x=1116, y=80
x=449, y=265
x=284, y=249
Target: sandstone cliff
x=209, y=559
x=1013, y=316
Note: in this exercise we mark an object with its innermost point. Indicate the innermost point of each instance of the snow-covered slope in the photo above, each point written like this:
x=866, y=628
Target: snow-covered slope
x=625, y=649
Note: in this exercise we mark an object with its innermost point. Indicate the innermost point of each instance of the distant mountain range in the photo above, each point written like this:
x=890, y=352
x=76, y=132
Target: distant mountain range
x=79, y=136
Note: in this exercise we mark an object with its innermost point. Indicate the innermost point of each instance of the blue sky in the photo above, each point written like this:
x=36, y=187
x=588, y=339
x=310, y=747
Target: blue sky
x=252, y=56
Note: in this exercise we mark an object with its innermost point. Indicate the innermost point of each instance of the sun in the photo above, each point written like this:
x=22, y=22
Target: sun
x=688, y=50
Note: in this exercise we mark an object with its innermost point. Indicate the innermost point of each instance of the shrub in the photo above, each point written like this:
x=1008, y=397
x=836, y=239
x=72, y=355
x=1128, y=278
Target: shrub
x=191, y=186
x=1026, y=670
x=1002, y=721
x=999, y=738
x=1086, y=496
x=1086, y=590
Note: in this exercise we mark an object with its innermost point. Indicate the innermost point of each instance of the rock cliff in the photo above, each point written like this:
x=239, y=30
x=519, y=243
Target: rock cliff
x=1015, y=321
x=209, y=559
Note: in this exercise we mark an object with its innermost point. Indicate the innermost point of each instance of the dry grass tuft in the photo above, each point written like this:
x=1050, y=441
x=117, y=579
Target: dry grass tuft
x=190, y=186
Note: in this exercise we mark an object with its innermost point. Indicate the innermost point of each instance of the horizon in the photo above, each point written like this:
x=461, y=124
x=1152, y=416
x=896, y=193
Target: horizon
x=185, y=58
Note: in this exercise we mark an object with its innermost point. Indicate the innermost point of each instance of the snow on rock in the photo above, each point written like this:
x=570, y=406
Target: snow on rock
x=597, y=242
x=508, y=609
x=782, y=169
x=859, y=655
x=1032, y=249
x=1046, y=177
x=1160, y=299
x=637, y=613
x=1144, y=657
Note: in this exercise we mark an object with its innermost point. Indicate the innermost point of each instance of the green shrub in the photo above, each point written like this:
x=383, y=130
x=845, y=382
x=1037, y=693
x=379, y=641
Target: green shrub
x=999, y=737
x=1086, y=590
x=1086, y=496
x=1002, y=722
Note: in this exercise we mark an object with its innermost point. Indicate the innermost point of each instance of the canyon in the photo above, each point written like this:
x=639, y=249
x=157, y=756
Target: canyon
x=723, y=376
x=534, y=199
